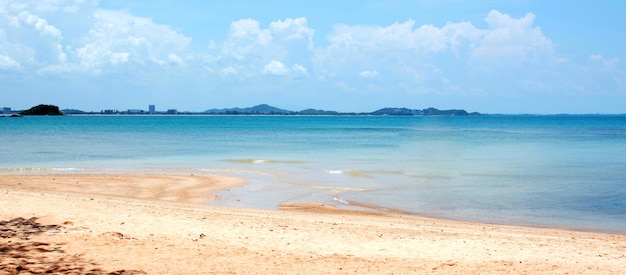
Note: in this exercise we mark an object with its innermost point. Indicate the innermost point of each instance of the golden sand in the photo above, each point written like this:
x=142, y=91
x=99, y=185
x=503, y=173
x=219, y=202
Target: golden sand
x=156, y=224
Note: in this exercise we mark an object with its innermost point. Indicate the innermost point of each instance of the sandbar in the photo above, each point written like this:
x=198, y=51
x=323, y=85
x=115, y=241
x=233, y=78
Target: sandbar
x=159, y=224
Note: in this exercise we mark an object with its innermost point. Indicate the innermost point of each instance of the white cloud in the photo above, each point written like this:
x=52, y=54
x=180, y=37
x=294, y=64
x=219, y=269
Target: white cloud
x=403, y=37
x=508, y=38
x=39, y=24
x=403, y=52
x=244, y=36
x=229, y=71
x=29, y=33
x=345, y=86
x=457, y=58
x=297, y=68
x=254, y=49
x=175, y=59
x=291, y=29
x=392, y=47
x=368, y=74
x=7, y=63
x=600, y=76
x=29, y=39
x=278, y=68
x=275, y=68
x=598, y=61
x=119, y=37
x=62, y=57
x=246, y=28
x=119, y=58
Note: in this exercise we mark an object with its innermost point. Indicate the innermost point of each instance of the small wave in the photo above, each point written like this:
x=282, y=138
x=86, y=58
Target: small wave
x=38, y=169
x=335, y=172
x=363, y=173
x=250, y=161
x=64, y=169
x=263, y=161
x=26, y=169
x=235, y=171
x=359, y=173
x=335, y=188
x=341, y=201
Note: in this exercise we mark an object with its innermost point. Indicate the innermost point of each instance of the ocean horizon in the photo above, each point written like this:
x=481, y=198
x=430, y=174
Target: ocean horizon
x=565, y=171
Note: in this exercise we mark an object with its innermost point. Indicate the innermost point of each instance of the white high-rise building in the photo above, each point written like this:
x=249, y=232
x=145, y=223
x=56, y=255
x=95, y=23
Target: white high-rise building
x=151, y=109
x=6, y=110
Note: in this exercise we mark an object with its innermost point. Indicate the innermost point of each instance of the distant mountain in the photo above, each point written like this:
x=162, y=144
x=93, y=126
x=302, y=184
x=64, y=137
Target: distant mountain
x=265, y=109
x=397, y=112
x=424, y=112
x=262, y=109
x=317, y=112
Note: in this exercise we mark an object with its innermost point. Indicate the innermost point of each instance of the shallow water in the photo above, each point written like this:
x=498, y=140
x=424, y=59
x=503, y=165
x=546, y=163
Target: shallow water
x=557, y=171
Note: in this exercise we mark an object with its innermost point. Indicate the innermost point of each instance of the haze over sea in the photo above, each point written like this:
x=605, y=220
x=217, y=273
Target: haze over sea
x=547, y=171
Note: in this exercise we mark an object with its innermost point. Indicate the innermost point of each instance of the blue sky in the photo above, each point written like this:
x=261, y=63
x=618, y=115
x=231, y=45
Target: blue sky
x=488, y=56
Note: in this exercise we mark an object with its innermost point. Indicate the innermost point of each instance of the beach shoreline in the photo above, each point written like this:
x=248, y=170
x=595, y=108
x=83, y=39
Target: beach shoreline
x=158, y=224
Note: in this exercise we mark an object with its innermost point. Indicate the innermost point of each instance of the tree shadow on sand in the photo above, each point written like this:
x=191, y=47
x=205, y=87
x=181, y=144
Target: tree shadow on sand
x=20, y=255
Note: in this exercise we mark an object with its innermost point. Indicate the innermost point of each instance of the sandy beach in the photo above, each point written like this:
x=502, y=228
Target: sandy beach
x=157, y=224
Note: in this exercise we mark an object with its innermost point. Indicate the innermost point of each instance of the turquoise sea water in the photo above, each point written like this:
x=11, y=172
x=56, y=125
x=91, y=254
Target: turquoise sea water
x=549, y=171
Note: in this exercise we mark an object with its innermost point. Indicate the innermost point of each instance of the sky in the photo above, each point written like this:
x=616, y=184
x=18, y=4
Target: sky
x=517, y=56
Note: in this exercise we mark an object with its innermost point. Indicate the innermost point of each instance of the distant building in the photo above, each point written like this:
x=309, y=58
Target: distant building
x=6, y=110
x=151, y=109
x=172, y=111
x=109, y=111
x=134, y=111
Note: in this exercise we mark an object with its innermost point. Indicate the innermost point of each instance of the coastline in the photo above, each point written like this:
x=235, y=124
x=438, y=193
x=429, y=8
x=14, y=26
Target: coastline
x=156, y=224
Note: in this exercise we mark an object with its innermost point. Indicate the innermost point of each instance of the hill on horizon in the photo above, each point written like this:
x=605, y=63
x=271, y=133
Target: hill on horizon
x=265, y=109
x=262, y=109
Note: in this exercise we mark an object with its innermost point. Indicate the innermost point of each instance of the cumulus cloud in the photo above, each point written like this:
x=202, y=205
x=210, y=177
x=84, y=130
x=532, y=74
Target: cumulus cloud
x=28, y=39
x=31, y=33
x=40, y=24
x=275, y=68
x=7, y=63
x=246, y=39
x=599, y=76
x=229, y=71
x=175, y=59
x=508, y=38
x=253, y=49
x=292, y=29
x=402, y=37
x=299, y=69
x=456, y=58
x=394, y=46
x=119, y=37
x=119, y=58
x=598, y=61
x=368, y=74
x=403, y=52
x=278, y=68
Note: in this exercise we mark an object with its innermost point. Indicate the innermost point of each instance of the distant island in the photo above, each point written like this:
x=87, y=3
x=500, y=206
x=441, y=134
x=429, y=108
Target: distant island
x=42, y=110
x=262, y=109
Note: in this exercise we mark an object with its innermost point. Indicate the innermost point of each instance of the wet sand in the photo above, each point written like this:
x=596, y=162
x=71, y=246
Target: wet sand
x=157, y=224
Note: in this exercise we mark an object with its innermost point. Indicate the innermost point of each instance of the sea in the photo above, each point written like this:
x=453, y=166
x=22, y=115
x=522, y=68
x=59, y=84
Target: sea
x=555, y=171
